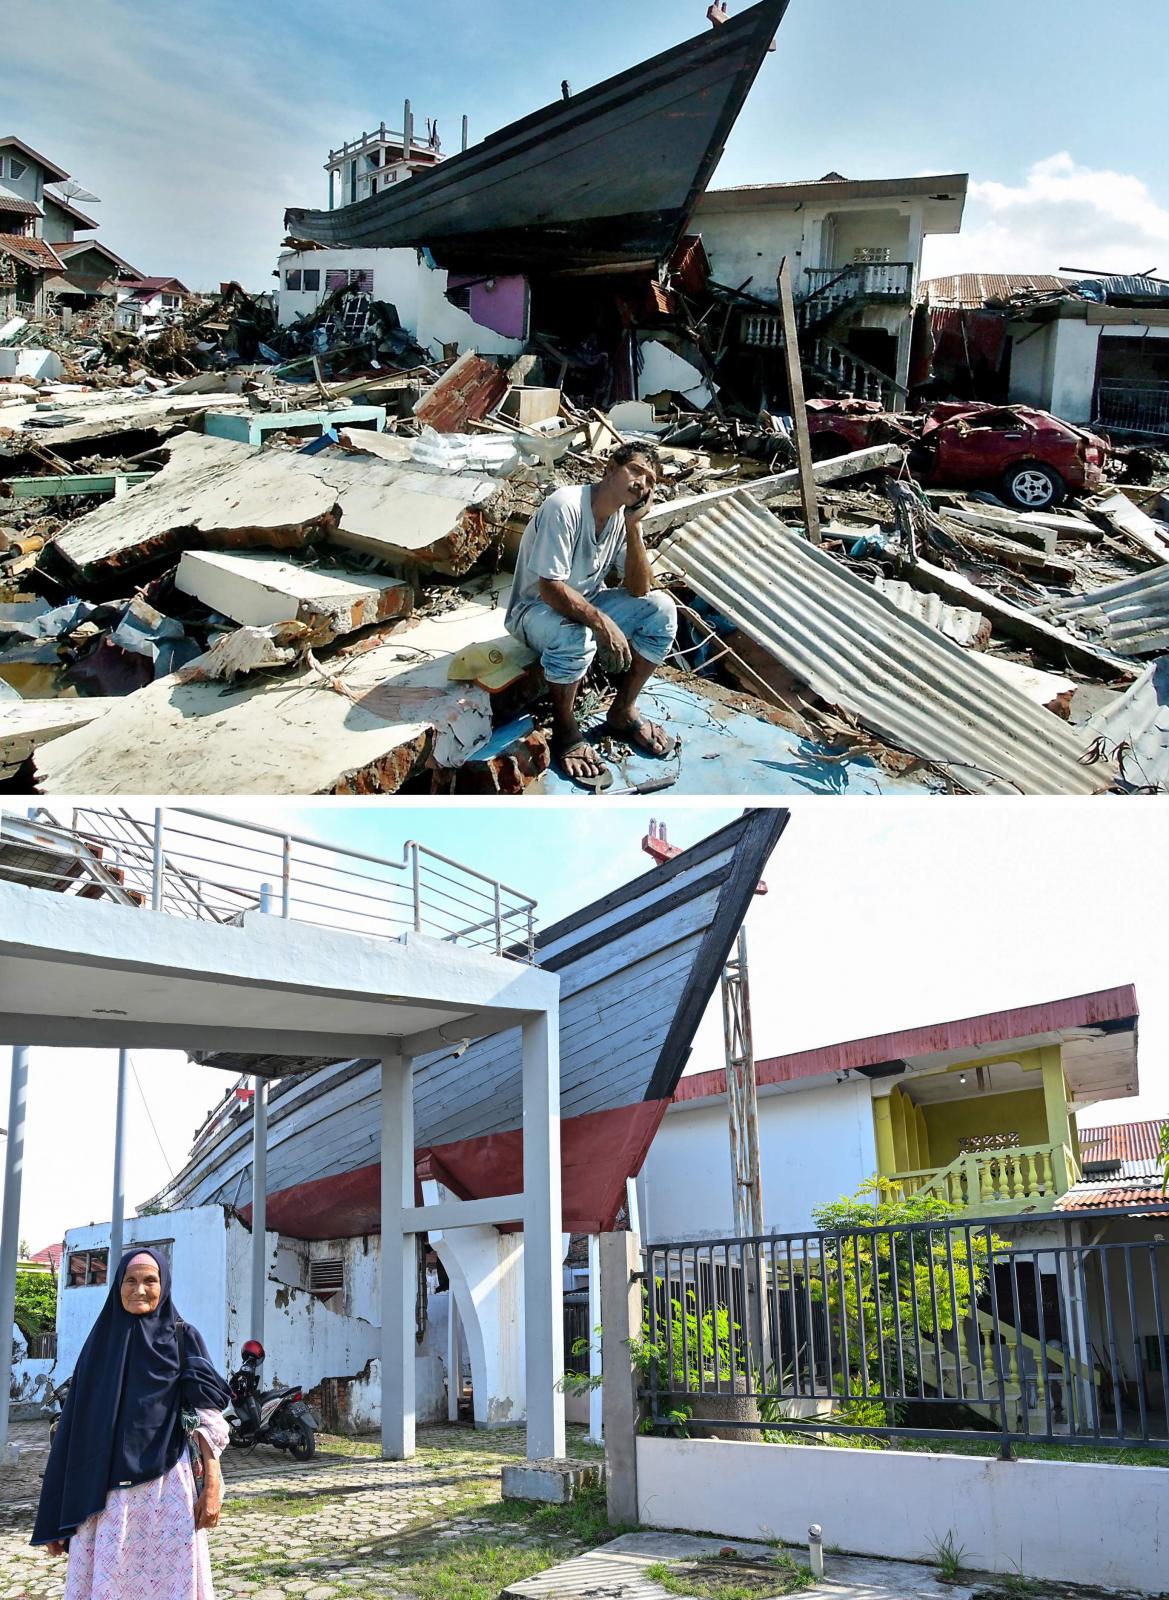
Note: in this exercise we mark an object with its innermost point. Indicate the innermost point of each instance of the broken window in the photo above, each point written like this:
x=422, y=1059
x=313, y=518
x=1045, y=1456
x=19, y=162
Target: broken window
x=870, y=255
x=292, y=279
x=362, y=280
x=335, y=278
x=87, y=1269
x=311, y=278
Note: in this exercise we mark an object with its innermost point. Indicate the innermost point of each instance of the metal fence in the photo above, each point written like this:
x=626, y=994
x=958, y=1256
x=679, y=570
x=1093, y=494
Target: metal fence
x=1133, y=407
x=936, y=1329
x=576, y=1327
x=190, y=863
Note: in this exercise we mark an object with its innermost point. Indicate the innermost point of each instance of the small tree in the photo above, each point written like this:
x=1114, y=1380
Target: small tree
x=893, y=1289
x=36, y=1302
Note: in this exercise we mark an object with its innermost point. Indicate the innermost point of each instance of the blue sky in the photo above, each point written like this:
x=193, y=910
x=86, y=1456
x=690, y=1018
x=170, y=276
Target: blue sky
x=197, y=121
x=879, y=915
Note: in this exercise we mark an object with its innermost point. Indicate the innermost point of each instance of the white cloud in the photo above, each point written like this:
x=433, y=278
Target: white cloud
x=1062, y=215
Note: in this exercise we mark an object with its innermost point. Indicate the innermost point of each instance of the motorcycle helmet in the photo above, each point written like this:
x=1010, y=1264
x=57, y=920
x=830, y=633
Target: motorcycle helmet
x=253, y=1350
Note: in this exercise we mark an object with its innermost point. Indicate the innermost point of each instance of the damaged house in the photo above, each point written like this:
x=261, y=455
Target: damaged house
x=1093, y=350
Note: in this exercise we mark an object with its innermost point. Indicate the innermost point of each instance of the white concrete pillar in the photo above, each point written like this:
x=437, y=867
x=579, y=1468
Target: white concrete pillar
x=399, y=1277
x=454, y=1359
x=10, y=1227
x=118, y=1208
x=543, y=1286
x=595, y=1396
x=259, y=1207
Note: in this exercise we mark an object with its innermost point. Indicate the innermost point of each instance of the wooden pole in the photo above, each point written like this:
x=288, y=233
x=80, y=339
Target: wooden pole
x=795, y=389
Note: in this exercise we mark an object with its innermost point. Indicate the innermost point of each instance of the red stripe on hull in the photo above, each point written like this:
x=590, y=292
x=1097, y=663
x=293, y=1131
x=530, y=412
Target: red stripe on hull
x=597, y=1153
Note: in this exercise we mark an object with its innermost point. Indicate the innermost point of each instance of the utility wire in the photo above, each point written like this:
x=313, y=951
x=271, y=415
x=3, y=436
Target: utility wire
x=169, y=1163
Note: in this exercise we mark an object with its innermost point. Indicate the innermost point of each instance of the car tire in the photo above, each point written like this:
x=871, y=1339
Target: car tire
x=1033, y=486
x=302, y=1445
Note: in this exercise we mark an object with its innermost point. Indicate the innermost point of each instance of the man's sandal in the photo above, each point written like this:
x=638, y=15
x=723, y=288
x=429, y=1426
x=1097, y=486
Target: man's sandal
x=580, y=748
x=640, y=735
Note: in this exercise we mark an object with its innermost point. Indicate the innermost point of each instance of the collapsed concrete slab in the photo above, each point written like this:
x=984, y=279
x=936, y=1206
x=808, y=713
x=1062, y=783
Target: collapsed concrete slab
x=364, y=721
x=257, y=588
x=210, y=493
x=216, y=494
x=407, y=518
x=27, y=724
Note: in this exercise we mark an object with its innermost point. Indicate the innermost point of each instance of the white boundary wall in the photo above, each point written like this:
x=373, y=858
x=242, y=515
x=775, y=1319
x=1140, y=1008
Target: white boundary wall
x=1048, y=1519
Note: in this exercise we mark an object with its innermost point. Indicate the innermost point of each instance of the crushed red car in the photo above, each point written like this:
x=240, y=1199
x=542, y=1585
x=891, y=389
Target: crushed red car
x=1030, y=457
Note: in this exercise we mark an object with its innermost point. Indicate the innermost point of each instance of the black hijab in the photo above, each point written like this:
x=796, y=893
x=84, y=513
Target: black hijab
x=122, y=1422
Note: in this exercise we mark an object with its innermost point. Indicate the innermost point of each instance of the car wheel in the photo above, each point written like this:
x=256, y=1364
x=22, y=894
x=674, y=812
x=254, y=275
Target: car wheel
x=302, y=1444
x=1032, y=486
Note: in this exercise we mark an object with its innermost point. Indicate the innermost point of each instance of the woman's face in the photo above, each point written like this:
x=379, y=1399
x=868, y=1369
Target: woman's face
x=141, y=1286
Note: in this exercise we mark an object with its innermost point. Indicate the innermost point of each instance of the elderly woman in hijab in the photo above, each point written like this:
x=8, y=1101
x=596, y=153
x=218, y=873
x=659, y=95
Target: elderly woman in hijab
x=119, y=1491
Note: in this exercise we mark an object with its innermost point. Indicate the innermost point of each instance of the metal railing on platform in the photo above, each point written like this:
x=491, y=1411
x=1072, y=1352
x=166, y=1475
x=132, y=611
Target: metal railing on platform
x=946, y=1328
x=191, y=863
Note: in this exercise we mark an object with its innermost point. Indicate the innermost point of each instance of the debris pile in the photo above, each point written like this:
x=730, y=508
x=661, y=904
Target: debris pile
x=202, y=594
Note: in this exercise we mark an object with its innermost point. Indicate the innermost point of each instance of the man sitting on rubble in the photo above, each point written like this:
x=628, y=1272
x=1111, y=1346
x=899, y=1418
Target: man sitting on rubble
x=561, y=608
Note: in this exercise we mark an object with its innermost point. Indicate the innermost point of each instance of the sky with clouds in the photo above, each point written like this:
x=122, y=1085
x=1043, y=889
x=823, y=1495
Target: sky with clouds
x=879, y=915
x=198, y=121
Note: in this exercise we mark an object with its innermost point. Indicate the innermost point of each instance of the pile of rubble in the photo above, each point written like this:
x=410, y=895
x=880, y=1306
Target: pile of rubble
x=287, y=573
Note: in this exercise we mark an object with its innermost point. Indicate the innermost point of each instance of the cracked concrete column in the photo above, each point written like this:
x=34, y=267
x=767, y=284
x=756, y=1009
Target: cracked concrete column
x=620, y=1320
x=399, y=1258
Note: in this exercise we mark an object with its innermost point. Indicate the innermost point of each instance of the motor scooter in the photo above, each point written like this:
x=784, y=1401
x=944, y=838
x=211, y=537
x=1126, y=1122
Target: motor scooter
x=278, y=1417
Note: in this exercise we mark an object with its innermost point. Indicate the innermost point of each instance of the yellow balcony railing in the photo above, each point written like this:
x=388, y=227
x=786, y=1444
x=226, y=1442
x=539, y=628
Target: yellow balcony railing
x=1016, y=1178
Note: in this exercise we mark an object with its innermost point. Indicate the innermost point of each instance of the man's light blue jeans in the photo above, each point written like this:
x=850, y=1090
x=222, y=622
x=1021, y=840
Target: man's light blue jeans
x=566, y=649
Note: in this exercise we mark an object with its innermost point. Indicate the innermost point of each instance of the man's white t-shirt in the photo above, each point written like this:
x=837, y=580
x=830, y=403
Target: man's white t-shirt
x=562, y=541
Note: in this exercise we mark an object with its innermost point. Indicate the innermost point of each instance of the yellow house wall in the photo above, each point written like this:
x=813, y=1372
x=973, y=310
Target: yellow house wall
x=1023, y=1113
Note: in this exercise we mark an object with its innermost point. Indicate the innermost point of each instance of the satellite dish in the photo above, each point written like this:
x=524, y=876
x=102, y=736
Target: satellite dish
x=77, y=191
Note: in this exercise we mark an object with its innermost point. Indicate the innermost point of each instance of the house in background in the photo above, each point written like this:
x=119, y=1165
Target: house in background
x=93, y=273
x=146, y=303
x=49, y=259
x=981, y=1113
x=854, y=249
x=1092, y=350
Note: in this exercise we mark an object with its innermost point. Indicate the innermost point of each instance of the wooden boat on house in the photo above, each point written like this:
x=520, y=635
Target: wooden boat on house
x=637, y=969
x=603, y=180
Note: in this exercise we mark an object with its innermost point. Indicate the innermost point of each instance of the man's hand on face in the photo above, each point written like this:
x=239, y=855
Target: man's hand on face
x=613, y=644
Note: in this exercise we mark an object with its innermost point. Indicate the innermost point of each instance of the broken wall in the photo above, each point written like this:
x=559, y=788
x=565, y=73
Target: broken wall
x=416, y=291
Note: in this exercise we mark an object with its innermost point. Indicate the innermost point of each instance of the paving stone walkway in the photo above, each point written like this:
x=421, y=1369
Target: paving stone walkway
x=293, y=1530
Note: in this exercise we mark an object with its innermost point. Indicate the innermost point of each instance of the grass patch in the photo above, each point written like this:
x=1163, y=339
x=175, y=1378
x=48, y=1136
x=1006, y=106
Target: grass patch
x=731, y=1578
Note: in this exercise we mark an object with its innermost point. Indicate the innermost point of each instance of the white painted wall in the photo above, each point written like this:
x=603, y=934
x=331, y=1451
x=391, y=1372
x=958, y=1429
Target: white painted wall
x=198, y=1261
x=1031, y=357
x=417, y=291
x=1052, y=1520
x=27, y=1371
x=752, y=240
x=486, y=1272
x=1073, y=369
x=306, y=1339
x=815, y=1144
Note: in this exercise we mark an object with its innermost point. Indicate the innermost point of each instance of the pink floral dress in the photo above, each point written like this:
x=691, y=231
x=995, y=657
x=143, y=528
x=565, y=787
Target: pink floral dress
x=143, y=1542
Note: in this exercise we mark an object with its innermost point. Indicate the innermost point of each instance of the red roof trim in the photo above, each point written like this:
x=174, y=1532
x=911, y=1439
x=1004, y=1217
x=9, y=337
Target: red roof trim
x=991, y=1027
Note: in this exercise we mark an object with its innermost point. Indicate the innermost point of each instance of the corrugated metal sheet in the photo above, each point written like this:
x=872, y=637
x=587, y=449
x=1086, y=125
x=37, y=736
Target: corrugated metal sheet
x=1136, y=1144
x=1134, y=732
x=956, y=622
x=853, y=648
x=973, y=289
x=1132, y=616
